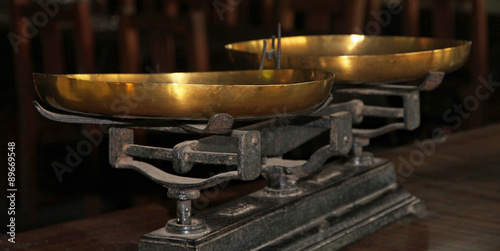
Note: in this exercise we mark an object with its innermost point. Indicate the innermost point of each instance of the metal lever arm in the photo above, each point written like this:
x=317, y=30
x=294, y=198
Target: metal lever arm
x=282, y=174
x=410, y=112
x=358, y=110
x=220, y=123
x=340, y=144
x=183, y=156
x=73, y=118
x=171, y=181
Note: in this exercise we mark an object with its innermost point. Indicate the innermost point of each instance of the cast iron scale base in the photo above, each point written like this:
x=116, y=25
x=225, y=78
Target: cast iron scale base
x=306, y=205
x=327, y=214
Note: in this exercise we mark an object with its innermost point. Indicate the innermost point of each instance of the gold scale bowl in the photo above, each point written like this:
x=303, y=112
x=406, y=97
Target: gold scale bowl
x=242, y=94
x=359, y=58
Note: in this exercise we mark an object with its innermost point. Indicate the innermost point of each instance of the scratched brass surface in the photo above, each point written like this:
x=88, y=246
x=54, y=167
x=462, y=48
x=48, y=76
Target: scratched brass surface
x=359, y=58
x=242, y=94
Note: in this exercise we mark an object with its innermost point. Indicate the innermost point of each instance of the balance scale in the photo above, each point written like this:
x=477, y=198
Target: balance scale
x=336, y=196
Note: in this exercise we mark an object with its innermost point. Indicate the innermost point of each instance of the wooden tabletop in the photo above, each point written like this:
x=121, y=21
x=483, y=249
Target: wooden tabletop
x=459, y=183
x=458, y=179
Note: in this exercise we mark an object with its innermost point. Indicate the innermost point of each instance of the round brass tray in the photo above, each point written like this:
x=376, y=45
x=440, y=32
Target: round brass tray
x=359, y=58
x=241, y=94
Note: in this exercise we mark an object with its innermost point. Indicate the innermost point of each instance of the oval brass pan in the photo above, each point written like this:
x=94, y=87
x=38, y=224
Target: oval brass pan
x=242, y=94
x=359, y=58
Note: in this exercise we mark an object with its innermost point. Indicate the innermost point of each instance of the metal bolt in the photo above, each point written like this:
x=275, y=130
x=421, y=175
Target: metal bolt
x=287, y=170
x=253, y=141
x=346, y=140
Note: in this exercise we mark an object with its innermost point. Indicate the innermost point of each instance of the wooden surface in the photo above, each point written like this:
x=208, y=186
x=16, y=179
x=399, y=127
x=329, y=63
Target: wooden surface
x=459, y=181
x=460, y=186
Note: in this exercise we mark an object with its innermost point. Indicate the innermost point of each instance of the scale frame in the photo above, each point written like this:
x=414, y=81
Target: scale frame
x=315, y=205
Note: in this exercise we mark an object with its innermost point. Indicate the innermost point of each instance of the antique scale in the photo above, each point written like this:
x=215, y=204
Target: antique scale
x=334, y=197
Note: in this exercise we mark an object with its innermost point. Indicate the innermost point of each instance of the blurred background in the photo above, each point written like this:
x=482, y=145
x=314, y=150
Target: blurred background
x=104, y=36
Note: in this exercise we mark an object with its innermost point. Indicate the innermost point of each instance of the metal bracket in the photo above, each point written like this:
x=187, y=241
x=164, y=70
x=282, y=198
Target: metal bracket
x=432, y=81
x=122, y=151
x=409, y=112
x=220, y=123
x=183, y=156
x=282, y=175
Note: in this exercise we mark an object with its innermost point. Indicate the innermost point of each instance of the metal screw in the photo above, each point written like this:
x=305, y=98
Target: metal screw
x=253, y=141
x=287, y=170
x=346, y=140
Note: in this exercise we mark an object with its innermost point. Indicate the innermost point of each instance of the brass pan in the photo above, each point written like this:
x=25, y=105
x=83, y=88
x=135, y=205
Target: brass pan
x=242, y=94
x=359, y=58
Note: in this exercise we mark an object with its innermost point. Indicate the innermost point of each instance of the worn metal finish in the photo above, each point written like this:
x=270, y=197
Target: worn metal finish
x=340, y=132
x=183, y=212
x=200, y=95
x=359, y=58
x=281, y=135
x=184, y=224
x=122, y=151
x=354, y=106
x=249, y=155
x=184, y=189
x=332, y=209
x=410, y=112
x=282, y=175
x=183, y=194
x=221, y=123
x=148, y=152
